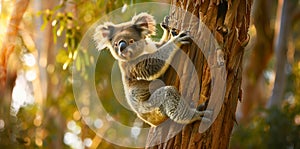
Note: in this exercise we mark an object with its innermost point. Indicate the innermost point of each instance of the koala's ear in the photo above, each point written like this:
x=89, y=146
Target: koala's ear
x=103, y=34
x=146, y=23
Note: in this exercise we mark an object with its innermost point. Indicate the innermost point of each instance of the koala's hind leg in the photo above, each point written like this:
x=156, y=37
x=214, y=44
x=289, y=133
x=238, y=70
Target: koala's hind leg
x=175, y=108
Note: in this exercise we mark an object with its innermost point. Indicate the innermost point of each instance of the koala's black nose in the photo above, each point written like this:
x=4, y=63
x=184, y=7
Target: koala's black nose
x=122, y=45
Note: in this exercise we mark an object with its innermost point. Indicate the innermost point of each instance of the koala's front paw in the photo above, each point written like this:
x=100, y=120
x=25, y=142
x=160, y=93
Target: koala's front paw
x=165, y=23
x=174, y=32
x=182, y=38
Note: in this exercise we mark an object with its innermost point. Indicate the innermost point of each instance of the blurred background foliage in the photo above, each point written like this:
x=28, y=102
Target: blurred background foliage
x=44, y=112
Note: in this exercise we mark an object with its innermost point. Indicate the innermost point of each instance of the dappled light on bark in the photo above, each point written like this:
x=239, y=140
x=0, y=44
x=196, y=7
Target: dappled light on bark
x=228, y=22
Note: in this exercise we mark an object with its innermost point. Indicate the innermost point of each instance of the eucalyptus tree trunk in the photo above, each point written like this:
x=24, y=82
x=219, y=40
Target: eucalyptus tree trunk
x=228, y=23
x=286, y=13
x=254, y=95
x=8, y=72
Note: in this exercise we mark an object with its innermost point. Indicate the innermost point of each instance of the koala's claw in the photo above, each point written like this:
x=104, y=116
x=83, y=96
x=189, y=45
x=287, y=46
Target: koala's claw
x=182, y=34
x=206, y=115
x=183, y=38
x=174, y=32
x=201, y=107
x=185, y=33
x=206, y=120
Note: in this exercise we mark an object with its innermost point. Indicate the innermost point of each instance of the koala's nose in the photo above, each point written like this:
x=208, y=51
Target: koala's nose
x=122, y=45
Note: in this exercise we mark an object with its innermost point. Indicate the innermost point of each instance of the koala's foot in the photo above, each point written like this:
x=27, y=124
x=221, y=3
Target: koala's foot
x=201, y=107
x=176, y=108
x=204, y=116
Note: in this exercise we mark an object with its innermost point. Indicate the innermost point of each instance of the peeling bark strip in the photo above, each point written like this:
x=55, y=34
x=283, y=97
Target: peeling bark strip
x=228, y=21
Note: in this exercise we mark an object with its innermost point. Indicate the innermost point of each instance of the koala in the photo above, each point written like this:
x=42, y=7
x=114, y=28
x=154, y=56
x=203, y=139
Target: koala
x=141, y=62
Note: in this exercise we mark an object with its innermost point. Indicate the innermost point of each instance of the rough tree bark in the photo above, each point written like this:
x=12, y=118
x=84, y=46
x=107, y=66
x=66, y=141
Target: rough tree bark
x=228, y=21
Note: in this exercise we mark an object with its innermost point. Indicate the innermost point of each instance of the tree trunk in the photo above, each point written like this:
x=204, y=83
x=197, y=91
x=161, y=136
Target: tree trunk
x=262, y=52
x=8, y=74
x=228, y=22
x=286, y=15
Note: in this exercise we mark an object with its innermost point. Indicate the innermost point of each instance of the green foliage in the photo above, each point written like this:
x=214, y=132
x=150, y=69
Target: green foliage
x=274, y=127
x=65, y=27
x=68, y=22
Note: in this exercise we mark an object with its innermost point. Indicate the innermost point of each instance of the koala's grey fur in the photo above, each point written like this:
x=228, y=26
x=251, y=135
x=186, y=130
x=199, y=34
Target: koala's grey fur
x=141, y=61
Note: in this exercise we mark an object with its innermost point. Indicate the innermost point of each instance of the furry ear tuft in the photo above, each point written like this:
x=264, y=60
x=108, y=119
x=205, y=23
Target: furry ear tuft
x=103, y=34
x=145, y=22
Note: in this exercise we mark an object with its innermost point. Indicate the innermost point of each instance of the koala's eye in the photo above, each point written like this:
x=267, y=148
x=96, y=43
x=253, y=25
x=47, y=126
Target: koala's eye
x=116, y=44
x=122, y=45
x=131, y=41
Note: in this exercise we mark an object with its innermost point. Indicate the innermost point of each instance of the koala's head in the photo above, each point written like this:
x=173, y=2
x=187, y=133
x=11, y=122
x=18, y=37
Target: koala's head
x=126, y=41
